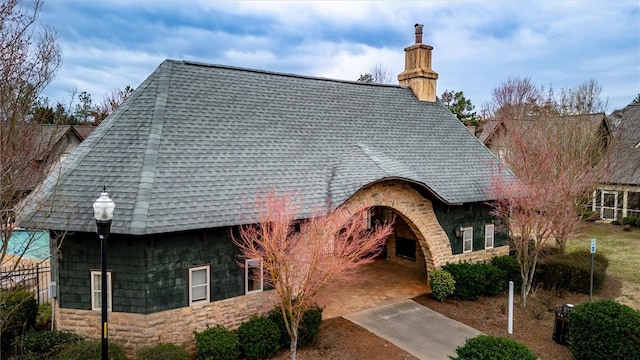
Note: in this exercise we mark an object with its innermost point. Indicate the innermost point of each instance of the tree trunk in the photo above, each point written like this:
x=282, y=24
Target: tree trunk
x=293, y=346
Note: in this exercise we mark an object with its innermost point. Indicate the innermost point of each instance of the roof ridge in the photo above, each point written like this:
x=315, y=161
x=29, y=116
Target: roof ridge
x=291, y=75
x=140, y=212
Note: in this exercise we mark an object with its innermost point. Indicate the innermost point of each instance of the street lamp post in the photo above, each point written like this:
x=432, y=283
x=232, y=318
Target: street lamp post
x=103, y=210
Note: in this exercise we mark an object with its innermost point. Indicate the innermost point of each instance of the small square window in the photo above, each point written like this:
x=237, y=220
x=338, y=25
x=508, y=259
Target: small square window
x=489, y=235
x=96, y=290
x=199, y=285
x=467, y=239
x=253, y=278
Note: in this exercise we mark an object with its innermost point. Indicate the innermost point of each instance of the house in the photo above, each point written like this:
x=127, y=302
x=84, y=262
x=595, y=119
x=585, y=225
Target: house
x=50, y=145
x=184, y=155
x=493, y=130
x=619, y=195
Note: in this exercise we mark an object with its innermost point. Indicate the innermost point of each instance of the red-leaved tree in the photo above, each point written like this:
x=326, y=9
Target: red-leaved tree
x=557, y=162
x=301, y=257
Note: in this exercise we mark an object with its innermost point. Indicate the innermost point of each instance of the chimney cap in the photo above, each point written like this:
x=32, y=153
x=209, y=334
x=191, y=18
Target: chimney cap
x=418, y=28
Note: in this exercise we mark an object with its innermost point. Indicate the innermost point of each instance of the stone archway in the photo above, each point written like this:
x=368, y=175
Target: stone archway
x=414, y=209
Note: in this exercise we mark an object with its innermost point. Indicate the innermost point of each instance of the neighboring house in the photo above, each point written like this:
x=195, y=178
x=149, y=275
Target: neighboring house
x=492, y=130
x=185, y=155
x=619, y=195
x=53, y=143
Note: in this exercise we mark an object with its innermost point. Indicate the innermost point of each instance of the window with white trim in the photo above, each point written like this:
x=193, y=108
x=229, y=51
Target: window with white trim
x=253, y=279
x=199, y=284
x=467, y=239
x=96, y=290
x=489, y=235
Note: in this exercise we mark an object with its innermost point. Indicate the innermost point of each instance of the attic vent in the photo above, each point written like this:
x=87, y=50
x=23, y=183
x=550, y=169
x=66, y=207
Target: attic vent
x=638, y=145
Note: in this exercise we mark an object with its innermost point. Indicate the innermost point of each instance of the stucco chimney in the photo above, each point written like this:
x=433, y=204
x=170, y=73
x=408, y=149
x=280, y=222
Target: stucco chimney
x=417, y=73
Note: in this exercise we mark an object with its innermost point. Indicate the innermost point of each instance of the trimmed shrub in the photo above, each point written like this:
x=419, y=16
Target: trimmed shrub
x=604, y=329
x=442, y=284
x=19, y=310
x=91, y=350
x=309, y=326
x=259, y=338
x=572, y=271
x=44, y=344
x=511, y=269
x=217, y=343
x=163, y=351
x=615, y=222
x=476, y=279
x=637, y=222
x=486, y=347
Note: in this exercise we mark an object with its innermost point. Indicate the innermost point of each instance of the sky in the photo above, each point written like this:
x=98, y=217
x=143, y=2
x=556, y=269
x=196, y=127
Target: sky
x=109, y=44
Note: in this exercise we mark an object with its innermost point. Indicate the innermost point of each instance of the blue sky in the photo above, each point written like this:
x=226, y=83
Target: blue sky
x=477, y=44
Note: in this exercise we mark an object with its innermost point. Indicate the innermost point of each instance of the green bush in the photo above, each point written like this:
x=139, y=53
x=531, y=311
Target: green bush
x=637, y=222
x=486, y=347
x=572, y=271
x=19, y=310
x=476, y=279
x=615, y=222
x=43, y=319
x=259, y=338
x=510, y=267
x=630, y=220
x=91, y=350
x=163, y=351
x=604, y=329
x=44, y=344
x=442, y=284
x=217, y=343
x=309, y=326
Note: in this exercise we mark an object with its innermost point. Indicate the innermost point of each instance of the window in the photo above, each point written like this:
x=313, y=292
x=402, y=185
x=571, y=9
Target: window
x=467, y=239
x=96, y=290
x=406, y=248
x=199, y=285
x=253, y=275
x=488, y=236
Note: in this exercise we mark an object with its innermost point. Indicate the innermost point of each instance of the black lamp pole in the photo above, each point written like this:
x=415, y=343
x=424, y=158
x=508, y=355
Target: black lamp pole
x=103, y=208
x=104, y=228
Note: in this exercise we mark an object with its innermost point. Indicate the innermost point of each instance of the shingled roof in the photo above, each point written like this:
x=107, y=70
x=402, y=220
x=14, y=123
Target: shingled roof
x=626, y=170
x=195, y=142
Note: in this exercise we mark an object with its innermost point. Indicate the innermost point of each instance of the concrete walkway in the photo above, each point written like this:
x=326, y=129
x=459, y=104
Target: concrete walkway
x=422, y=332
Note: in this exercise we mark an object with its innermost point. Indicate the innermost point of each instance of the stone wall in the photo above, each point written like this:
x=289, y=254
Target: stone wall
x=135, y=331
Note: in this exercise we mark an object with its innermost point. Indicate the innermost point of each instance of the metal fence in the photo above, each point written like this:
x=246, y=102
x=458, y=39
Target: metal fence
x=30, y=277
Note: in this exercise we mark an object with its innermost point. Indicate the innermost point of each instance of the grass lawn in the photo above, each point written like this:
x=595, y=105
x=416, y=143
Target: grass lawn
x=622, y=248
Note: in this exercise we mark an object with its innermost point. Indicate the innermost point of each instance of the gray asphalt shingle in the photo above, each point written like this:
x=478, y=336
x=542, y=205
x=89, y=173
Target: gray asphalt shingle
x=195, y=142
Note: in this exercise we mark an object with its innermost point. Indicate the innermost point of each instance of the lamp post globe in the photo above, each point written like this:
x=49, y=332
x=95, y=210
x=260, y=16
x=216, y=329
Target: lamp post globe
x=103, y=212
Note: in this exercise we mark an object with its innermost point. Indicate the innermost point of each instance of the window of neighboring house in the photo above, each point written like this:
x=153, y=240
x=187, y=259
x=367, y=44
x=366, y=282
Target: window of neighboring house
x=406, y=248
x=488, y=235
x=96, y=290
x=253, y=275
x=199, y=284
x=502, y=153
x=467, y=239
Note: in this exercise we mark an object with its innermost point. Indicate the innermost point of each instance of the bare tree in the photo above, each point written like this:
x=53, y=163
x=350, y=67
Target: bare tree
x=516, y=98
x=584, y=99
x=301, y=257
x=111, y=102
x=377, y=74
x=29, y=59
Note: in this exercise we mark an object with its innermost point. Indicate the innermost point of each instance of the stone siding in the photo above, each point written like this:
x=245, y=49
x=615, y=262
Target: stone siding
x=135, y=331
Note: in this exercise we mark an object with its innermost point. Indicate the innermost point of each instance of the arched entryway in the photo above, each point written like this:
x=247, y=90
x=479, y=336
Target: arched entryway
x=418, y=245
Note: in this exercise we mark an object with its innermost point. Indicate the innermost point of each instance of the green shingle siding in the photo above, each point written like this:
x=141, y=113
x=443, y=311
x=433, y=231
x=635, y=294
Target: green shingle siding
x=475, y=215
x=150, y=273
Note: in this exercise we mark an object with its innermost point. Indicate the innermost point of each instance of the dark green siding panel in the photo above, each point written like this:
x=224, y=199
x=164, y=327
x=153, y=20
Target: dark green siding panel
x=476, y=215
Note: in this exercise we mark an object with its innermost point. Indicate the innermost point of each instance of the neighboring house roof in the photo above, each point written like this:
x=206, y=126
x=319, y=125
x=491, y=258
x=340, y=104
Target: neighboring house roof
x=626, y=168
x=84, y=130
x=195, y=142
x=594, y=122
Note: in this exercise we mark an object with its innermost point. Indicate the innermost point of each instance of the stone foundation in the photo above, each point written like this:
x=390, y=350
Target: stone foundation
x=135, y=331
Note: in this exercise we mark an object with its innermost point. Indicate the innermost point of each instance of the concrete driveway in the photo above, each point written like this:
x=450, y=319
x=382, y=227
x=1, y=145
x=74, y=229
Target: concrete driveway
x=422, y=332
